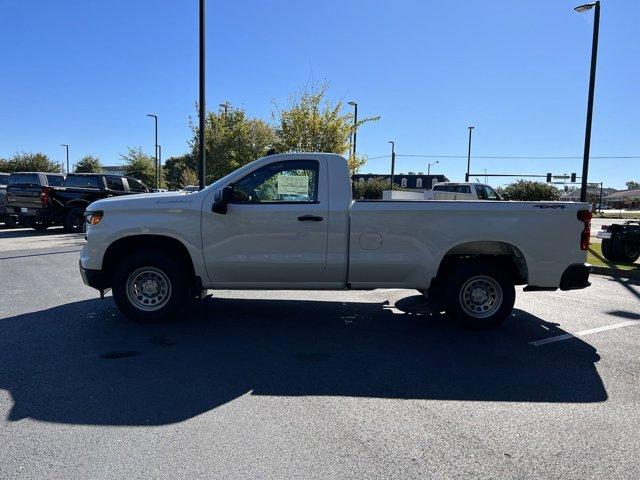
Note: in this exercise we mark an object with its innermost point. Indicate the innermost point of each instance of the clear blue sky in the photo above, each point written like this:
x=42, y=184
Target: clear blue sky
x=85, y=72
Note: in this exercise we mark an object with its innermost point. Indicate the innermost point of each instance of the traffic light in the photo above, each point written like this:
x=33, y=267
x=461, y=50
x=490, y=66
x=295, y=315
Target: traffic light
x=573, y=178
x=548, y=178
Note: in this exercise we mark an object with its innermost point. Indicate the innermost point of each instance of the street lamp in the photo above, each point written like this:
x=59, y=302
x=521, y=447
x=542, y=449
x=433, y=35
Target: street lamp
x=393, y=161
x=466, y=177
x=155, y=118
x=429, y=167
x=160, y=161
x=592, y=81
x=201, y=104
x=355, y=126
x=67, y=147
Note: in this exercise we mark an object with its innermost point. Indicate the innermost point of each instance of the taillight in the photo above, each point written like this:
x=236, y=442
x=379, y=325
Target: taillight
x=44, y=196
x=585, y=217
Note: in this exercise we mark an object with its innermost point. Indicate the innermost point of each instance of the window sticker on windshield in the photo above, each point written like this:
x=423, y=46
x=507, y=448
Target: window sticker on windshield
x=293, y=185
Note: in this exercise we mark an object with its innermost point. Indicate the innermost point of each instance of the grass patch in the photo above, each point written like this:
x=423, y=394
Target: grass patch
x=595, y=257
x=617, y=215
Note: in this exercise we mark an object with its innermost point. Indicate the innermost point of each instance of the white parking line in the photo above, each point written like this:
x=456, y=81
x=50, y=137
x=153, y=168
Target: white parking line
x=582, y=333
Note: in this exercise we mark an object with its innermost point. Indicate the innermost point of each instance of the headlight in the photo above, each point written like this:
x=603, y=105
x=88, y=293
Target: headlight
x=93, y=218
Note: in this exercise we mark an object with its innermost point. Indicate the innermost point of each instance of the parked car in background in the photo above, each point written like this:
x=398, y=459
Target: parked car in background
x=602, y=207
x=41, y=200
x=4, y=178
x=461, y=191
x=191, y=188
x=287, y=222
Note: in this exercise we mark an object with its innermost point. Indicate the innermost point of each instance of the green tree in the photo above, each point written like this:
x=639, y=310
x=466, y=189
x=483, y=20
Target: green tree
x=88, y=164
x=232, y=140
x=29, y=162
x=188, y=177
x=632, y=185
x=174, y=167
x=313, y=123
x=525, y=190
x=372, y=189
x=139, y=165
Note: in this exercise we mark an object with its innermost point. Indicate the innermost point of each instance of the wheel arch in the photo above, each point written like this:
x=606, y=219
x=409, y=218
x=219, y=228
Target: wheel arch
x=125, y=246
x=505, y=253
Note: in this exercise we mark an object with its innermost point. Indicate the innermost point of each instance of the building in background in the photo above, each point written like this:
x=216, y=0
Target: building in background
x=113, y=169
x=623, y=199
x=411, y=181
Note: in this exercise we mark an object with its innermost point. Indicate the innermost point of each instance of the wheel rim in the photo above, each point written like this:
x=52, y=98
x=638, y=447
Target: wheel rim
x=480, y=296
x=630, y=250
x=76, y=221
x=148, y=289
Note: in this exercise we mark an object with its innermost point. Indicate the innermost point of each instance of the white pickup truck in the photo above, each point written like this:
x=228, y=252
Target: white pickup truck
x=288, y=221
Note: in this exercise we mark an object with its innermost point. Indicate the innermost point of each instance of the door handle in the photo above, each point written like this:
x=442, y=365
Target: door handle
x=309, y=218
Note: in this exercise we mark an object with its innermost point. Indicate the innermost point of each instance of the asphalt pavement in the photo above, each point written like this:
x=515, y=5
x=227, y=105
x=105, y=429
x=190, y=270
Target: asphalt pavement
x=310, y=384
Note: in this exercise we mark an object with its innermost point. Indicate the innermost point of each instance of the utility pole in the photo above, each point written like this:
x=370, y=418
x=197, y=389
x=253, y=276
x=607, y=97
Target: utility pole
x=155, y=118
x=393, y=162
x=201, y=102
x=67, y=147
x=225, y=107
x=466, y=178
x=160, y=161
x=355, y=127
x=592, y=82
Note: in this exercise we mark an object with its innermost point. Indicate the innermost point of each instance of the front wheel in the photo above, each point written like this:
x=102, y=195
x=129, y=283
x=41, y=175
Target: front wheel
x=479, y=294
x=149, y=287
x=74, y=220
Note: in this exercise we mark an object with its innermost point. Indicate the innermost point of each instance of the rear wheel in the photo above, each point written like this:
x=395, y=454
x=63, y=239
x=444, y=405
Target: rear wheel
x=150, y=287
x=616, y=250
x=607, y=249
x=74, y=220
x=479, y=294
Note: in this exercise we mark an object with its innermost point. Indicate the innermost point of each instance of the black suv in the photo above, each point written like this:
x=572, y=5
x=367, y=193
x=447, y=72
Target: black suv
x=40, y=200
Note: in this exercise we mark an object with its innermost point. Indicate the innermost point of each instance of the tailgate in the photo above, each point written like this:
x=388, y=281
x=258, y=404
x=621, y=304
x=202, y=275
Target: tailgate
x=19, y=197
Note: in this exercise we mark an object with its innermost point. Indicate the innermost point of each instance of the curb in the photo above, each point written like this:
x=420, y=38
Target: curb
x=615, y=272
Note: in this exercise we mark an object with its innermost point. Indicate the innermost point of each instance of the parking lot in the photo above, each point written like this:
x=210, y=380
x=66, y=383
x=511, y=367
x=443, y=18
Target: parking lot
x=309, y=384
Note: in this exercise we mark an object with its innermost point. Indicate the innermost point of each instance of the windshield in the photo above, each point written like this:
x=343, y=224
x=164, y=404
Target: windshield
x=4, y=177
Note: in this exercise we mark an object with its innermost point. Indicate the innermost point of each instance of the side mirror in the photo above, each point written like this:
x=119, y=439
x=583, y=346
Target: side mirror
x=221, y=201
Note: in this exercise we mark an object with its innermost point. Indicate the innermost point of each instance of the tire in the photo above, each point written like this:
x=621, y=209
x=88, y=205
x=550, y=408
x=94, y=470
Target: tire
x=479, y=294
x=626, y=252
x=607, y=250
x=74, y=220
x=619, y=251
x=163, y=275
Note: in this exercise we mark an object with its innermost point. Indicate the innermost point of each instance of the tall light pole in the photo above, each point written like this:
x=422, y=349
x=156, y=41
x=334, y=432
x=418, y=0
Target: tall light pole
x=155, y=118
x=67, y=147
x=393, y=161
x=160, y=161
x=466, y=177
x=592, y=84
x=429, y=167
x=225, y=107
x=201, y=102
x=355, y=127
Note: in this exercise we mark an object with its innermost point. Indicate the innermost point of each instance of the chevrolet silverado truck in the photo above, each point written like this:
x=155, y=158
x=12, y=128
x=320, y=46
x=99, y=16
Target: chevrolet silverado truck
x=288, y=221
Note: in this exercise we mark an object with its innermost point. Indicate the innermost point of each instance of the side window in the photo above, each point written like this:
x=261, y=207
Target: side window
x=115, y=184
x=294, y=181
x=136, y=186
x=480, y=192
x=491, y=193
x=55, y=180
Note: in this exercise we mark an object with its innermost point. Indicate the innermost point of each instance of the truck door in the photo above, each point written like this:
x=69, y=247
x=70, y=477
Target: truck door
x=275, y=229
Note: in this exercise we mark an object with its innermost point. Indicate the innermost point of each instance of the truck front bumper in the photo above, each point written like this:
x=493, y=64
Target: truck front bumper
x=94, y=278
x=575, y=277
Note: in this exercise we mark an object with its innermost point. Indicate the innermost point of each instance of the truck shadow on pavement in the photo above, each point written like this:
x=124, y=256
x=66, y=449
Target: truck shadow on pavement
x=83, y=363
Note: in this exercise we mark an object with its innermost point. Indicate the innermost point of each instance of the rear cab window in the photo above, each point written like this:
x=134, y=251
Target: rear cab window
x=4, y=178
x=81, y=181
x=24, y=179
